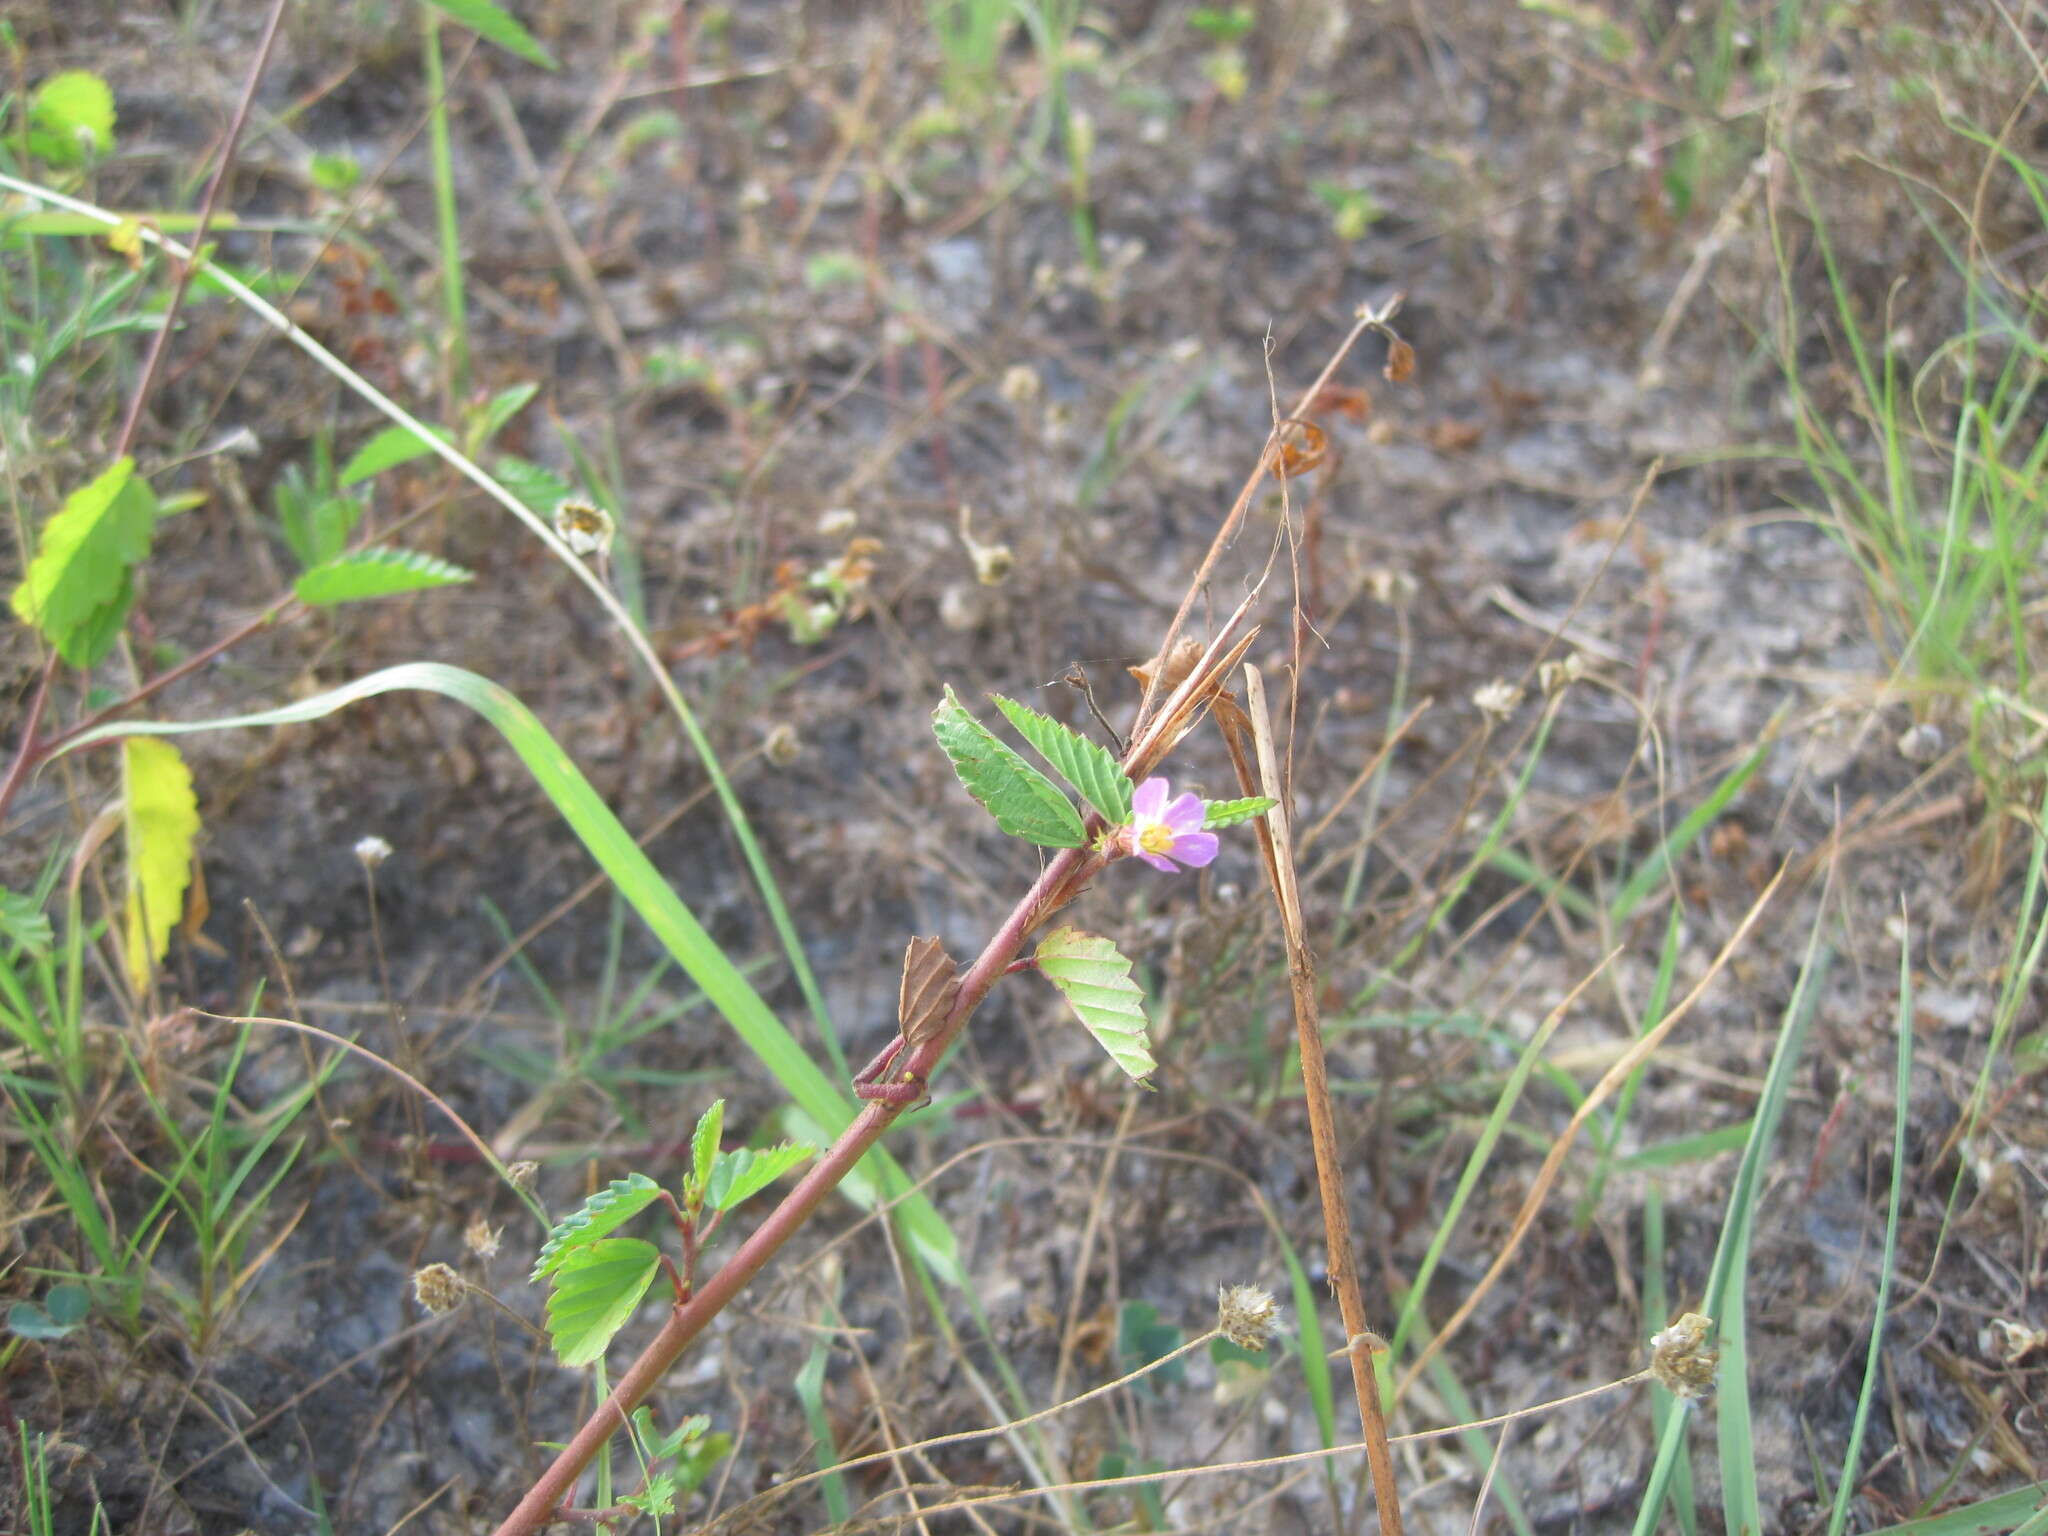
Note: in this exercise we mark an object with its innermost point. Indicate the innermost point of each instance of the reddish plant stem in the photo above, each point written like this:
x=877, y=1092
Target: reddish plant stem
x=26, y=755
x=160, y=343
x=30, y=752
x=1057, y=884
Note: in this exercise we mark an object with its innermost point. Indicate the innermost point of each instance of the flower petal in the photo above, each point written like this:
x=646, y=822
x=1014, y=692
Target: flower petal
x=1161, y=862
x=1185, y=815
x=1195, y=849
x=1150, y=799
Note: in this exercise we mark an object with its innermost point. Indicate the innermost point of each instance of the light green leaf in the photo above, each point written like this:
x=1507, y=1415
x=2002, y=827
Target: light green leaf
x=503, y=406
x=1228, y=813
x=709, y=968
x=542, y=490
x=1096, y=981
x=77, y=590
x=71, y=118
x=160, y=820
x=336, y=174
x=830, y=269
x=704, y=1148
x=495, y=25
x=375, y=573
x=1085, y=765
x=1024, y=802
x=604, y=1212
x=595, y=1293
x=387, y=450
x=738, y=1176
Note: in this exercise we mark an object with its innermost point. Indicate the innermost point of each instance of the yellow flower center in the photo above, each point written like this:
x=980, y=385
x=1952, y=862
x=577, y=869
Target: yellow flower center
x=1156, y=838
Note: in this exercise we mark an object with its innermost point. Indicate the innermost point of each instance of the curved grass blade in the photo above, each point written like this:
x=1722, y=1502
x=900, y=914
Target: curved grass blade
x=641, y=884
x=633, y=633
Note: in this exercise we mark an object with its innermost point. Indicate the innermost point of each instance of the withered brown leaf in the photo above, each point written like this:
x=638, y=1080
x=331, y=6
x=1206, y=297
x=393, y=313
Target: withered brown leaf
x=1172, y=670
x=931, y=982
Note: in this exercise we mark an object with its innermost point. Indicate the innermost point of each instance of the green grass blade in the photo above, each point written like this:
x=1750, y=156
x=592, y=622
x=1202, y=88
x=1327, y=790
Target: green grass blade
x=1902, y=1083
x=2022, y=1512
x=1657, y=1314
x=1656, y=868
x=447, y=221
x=1315, y=1364
x=1728, y=1281
x=1475, y=1166
x=638, y=881
x=1652, y=1010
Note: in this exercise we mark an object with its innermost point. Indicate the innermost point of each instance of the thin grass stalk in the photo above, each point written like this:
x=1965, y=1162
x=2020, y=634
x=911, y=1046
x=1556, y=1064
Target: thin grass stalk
x=447, y=219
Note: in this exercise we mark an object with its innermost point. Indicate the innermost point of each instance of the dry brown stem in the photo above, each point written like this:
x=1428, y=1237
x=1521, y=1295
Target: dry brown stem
x=1361, y=1343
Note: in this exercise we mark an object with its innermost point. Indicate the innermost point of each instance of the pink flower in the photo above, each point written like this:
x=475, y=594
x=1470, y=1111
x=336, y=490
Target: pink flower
x=1162, y=832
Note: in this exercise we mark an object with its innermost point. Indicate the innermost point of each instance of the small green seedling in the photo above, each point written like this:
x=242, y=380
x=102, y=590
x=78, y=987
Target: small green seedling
x=598, y=1279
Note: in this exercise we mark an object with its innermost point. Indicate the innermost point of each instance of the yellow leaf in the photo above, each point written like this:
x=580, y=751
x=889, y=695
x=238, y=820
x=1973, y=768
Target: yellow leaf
x=160, y=819
x=125, y=239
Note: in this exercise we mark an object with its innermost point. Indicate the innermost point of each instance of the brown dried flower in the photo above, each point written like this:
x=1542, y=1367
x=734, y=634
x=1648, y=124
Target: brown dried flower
x=438, y=1288
x=1680, y=1359
x=1246, y=1315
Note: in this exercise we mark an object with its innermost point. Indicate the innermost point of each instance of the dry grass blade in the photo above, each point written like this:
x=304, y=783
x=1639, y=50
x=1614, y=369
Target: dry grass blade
x=1610, y=1082
x=1361, y=1343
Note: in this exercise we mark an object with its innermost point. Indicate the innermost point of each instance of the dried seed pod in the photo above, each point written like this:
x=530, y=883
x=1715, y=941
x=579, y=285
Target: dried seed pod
x=1680, y=1359
x=1173, y=669
x=438, y=1288
x=931, y=983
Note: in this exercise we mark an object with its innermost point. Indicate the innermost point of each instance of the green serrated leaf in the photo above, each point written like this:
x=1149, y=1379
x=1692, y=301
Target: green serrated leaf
x=1096, y=981
x=77, y=588
x=595, y=1293
x=1228, y=813
x=387, y=450
x=71, y=118
x=160, y=820
x=375, y=573
x=604, y=1212
x=1085, y=765
x=658, y=1497
x=704, y=1148
x=542, y=490
x=1024, y=802
x=496, y=25
x=739, y=1176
